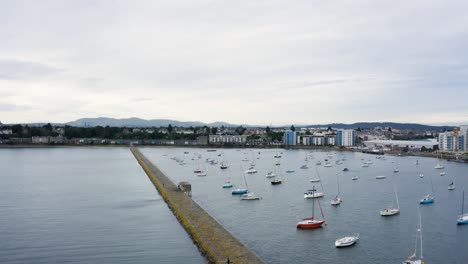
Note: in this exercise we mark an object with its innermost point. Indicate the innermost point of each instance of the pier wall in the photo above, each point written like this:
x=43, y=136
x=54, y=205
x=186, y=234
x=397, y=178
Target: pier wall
x=212, y=239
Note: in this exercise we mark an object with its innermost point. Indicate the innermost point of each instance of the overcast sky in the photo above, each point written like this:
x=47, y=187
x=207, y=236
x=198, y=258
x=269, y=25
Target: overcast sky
x=254, y=62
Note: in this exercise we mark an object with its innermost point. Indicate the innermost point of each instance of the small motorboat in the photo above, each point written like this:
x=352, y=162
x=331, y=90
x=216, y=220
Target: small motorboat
x=365, y=165
x=421, y=175
x=270, y=174
x=276, y=181
x=442, y=173
x=380, y=177
x=354, y=178
x=277, y=163
x=223, y=167
x=304, y=167
x=289, y=171
x=250, y=196
x=346, y=241
x=319, y=163
x=197, y=170
x=396, y=170
x=328, y=165
x=345, y=169
x=315, y=180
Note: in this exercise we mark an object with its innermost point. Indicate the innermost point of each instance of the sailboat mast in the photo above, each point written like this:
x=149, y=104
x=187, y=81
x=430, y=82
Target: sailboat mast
x=463, y=201
x=396, y=196
x=420, y=234
x=338, y=184
x=313, y=202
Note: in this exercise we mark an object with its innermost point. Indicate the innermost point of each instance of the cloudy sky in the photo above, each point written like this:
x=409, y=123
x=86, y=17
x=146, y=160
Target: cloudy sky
x=255, y=62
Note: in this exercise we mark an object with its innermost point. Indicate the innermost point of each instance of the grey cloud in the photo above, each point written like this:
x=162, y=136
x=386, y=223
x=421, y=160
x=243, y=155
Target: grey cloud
x=25, y=70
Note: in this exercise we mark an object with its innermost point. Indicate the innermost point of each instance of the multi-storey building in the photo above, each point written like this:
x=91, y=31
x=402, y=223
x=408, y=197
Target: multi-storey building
x=290, y=138
x=345, y=137
x=455, y=140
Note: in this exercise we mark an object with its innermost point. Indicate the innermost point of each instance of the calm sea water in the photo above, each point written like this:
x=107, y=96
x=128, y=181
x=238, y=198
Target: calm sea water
x=268, y=226
x=85, y=205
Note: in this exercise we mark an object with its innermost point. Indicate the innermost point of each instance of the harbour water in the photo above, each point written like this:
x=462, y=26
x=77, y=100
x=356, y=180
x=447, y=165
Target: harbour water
x=268, y=226
x=85, y=205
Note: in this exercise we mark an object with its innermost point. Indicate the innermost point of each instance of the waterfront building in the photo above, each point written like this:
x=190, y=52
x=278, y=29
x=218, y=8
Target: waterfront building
x=454, y=141
x=290, y=138
x=411, y=144
x=346, y=137
x=229, y=139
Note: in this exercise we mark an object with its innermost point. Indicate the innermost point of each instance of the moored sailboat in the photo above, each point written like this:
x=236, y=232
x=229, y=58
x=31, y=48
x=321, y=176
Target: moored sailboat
x=311, y=222
x=389, y=211
x=463, y=217
x=413, y=259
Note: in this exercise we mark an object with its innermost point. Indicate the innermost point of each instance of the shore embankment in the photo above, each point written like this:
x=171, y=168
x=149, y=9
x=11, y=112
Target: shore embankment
x=213, y=240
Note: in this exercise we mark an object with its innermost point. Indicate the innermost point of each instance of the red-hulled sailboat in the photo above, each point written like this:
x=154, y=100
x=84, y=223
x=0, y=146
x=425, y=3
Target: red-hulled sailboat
x=311, y=222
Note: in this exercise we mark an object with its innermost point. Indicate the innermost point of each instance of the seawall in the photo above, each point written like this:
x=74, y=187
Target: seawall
x=212, y=239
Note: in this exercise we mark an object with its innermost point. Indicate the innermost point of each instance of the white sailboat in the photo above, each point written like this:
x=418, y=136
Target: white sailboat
x=439, y=164
x=347, y=241
x=391, y=210
x=310, y=194
x=413, y=259
x=396, y=167
x=463, y=218
x=337, y=200
x=249, y=196
x=451, y=186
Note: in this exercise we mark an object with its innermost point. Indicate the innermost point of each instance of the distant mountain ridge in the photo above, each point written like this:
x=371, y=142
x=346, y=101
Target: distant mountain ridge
x=139, y=122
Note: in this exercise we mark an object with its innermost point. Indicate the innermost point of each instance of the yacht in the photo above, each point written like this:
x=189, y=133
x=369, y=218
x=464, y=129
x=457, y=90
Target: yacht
x=346, y=241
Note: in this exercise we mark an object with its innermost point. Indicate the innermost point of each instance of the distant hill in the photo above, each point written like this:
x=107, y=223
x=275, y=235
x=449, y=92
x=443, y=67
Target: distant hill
x=404, y=126
x=138, y=122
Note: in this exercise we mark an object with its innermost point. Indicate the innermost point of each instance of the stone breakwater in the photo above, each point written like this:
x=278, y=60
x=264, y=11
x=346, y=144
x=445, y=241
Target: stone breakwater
x=213, y=240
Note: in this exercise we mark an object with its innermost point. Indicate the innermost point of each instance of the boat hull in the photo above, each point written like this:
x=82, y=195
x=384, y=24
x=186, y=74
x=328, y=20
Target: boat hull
x=315, y=195
x=239, y=191
x=309, y=223
x=427, y=201
x=463, y=220
x=389, y=212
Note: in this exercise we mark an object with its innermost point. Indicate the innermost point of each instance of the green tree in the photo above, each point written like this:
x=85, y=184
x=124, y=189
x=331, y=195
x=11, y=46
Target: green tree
x=48, y=127
x=267, y=130
x=170, y=129
x=293, y=128
x=214, y=130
